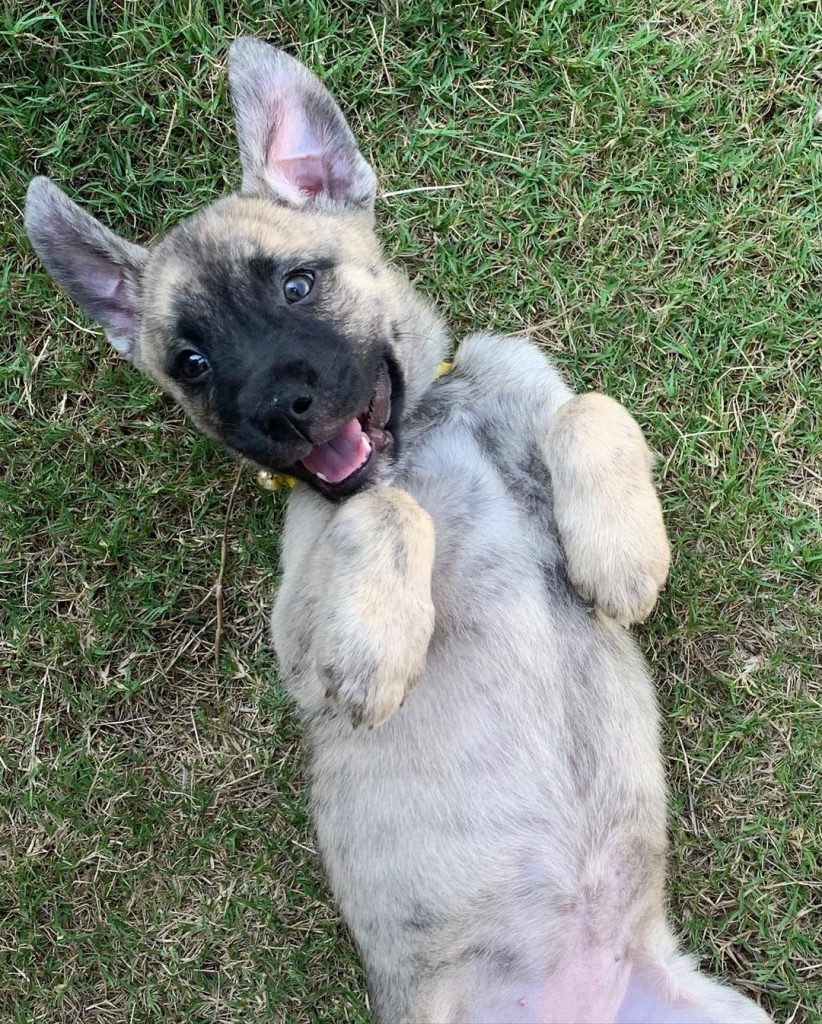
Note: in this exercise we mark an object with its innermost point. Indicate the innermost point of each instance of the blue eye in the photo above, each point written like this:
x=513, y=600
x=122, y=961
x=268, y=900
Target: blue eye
x=191, y=366
x=297, y=285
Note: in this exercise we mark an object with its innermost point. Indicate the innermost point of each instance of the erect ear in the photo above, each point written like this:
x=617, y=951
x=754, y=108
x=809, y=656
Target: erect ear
x=295, y=144
x=100, y=271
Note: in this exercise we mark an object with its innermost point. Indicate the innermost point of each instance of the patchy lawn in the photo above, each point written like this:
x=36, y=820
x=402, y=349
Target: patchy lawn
x=637, y=185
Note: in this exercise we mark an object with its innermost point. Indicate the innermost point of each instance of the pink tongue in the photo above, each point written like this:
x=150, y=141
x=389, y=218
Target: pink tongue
x=338, y=458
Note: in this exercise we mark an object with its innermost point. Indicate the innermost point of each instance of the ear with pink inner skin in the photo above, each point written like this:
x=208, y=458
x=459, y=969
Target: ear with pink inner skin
x=100, y=271
x=295, y=145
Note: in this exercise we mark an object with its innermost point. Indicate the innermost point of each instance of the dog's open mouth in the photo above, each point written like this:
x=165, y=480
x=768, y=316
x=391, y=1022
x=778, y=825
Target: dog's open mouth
x=342, y=463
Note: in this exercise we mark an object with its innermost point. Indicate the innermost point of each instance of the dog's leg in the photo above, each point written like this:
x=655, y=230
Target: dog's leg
x=606, y=508
x=374, y=615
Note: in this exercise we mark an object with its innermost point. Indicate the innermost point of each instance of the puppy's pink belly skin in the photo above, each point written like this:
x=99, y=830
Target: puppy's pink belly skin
x=587, y=990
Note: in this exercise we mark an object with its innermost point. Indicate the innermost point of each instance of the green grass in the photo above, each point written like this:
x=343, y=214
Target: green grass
x=638, y=185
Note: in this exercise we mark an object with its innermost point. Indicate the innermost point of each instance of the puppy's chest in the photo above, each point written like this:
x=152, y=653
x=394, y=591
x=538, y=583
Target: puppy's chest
x=487, y=488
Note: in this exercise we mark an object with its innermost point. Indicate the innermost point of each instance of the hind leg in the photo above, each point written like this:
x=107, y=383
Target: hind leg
x=657, y=992
x=592, y=984
x=664, y=987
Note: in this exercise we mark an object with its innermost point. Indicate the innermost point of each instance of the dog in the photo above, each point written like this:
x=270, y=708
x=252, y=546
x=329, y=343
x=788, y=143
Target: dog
x=461, y=554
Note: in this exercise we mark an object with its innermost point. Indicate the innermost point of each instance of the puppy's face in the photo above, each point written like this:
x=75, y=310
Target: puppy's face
x=278, y=333
x=270, y=316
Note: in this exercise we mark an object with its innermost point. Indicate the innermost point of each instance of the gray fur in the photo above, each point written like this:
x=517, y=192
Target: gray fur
x=532, y=736
x=520, y=671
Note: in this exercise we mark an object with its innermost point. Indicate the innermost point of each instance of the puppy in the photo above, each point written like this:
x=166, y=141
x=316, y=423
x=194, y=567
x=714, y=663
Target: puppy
x=459, y=557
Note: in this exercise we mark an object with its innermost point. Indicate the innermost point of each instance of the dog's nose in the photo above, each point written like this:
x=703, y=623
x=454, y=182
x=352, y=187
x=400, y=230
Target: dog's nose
x=286, y=416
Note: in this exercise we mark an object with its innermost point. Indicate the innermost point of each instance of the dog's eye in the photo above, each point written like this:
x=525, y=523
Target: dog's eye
x=191, y=366
x=297, y=285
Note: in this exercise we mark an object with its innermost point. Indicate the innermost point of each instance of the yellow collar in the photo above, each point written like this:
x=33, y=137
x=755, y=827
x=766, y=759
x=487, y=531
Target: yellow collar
x=277, y=481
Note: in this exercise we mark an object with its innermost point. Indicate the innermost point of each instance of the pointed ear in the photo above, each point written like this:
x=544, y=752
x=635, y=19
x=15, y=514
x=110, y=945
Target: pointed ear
x=100, y=271
x=295, y=144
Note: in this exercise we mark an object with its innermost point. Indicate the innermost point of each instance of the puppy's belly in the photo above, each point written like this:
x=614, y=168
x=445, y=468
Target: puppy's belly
x=588, y=990
x=516, y=796
x=578, y=978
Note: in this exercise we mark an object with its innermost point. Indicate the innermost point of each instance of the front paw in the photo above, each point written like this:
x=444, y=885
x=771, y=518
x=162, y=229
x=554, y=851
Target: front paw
x=375, y=620
x=369, y=664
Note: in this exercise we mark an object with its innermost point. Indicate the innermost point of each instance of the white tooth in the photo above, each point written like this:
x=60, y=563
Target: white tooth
x=323, y=477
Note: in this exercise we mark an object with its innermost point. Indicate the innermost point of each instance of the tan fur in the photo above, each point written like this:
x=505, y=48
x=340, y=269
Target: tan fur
x=607, y=510
x=375, y=613
x=241, y=228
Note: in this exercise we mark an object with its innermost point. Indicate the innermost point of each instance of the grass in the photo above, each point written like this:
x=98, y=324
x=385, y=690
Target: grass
x=639, y=186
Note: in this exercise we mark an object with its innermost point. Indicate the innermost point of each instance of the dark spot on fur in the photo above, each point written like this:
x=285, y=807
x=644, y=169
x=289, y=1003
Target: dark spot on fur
x=499, y=959
x=325, y=712
x=392, y=522
x=301, y=647
x=581, y=709
x=434, y=410
x=554, y=576
x=581, y=765
x=331, y=674
x=446, y=396
x=488, y=441
x=347, y=548
x=391, y=518
x=554, y=572
x=352, y=705
x=491, y=576
x=530, y=483
x=421, y=918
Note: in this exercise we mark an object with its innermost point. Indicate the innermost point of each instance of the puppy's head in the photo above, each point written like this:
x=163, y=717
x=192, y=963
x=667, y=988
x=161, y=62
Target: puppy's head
x=270, y=315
